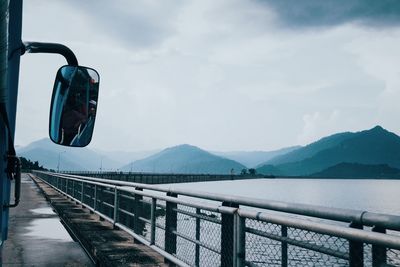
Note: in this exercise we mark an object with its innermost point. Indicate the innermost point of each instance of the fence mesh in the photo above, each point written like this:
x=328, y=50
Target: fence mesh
x=259, y=249
x=211, y=230
x=393, y=257
x=160, y=224
x=146, y=213
x=210, y=234
x=275, y=245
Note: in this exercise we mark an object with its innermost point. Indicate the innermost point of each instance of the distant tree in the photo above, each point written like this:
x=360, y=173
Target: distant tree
x=252, y=171
x=36, y=165
x=243, y=172
x=28, y=165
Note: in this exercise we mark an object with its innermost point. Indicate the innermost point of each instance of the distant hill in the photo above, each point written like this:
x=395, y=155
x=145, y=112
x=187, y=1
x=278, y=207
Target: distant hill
x=185, y=159
x=371, y=147
x=73, y=159
x=254, y=158
x=357, y=171
x=311, y=149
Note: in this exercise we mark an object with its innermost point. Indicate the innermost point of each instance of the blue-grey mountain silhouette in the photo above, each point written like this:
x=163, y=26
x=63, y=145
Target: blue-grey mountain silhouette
x=185, y=159
x=374, y=146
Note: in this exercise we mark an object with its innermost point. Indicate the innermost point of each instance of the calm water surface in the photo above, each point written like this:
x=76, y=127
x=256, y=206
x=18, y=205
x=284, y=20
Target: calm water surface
x=371, y=195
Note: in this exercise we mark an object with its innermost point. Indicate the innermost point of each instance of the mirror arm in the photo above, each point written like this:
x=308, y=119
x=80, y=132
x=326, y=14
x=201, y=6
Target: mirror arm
x=52, y=48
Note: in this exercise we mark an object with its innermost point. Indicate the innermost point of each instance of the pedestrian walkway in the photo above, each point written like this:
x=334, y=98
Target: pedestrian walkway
x=107, y=245
x=36, y=236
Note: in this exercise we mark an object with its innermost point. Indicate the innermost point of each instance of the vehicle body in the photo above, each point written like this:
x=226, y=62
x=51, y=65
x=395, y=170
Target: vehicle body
x=9, y=79
x=75, y=86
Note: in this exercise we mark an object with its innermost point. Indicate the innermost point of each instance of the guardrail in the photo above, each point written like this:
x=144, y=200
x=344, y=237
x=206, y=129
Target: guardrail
x=198, y=229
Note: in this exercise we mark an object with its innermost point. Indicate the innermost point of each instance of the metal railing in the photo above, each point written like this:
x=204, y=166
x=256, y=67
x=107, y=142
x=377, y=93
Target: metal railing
x=198, y=229
x=162, y=178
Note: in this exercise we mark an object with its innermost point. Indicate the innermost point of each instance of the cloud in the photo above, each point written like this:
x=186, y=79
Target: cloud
x=217, y=74
x=317, y=125
x=138, y=24
x=327, y=13
x=378, y=57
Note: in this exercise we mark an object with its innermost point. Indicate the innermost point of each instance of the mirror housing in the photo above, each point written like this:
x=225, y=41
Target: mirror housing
x=74, y=106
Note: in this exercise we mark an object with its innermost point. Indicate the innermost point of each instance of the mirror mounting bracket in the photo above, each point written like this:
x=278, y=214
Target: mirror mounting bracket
x=52, y=48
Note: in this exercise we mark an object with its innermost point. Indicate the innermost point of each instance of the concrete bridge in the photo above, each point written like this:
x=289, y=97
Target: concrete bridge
x=188, y=228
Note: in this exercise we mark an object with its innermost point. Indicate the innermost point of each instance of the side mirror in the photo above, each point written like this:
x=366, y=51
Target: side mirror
x=73, y=106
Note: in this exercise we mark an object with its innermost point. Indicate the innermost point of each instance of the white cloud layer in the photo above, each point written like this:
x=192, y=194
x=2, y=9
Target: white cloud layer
x=222, y=75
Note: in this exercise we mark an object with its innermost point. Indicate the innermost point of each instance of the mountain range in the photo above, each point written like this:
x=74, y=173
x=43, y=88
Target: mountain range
x=370, y=147
x=53, y=156
x=178, y=159
x=370, y=153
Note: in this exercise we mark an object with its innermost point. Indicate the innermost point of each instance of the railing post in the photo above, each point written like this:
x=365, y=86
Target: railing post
x=116, y=206
x=239, y=241
x=100, y=201
x=95, y=197
x=82, y=193
x=356, y=249
x=153, y=221
x=138, y=225
x=227, y=237
x=73, y=189
x=171, y=217
x=197, y=249
x=379, y=256
x=284, y=247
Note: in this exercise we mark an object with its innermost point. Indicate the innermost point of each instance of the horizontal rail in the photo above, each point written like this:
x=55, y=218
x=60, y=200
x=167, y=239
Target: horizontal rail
x=200, y=216
x=126, y=212
x=108, y=205
x=160, y=226
x=144, y=220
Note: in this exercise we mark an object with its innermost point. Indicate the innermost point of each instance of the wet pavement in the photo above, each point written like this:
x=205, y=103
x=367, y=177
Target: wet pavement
x=36, y=236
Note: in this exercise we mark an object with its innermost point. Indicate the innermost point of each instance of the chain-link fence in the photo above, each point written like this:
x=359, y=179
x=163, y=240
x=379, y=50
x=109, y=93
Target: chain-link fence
x=278, y=245
x=192, y=232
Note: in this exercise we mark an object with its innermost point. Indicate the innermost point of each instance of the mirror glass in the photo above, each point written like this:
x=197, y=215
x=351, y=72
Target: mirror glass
x=74, y=106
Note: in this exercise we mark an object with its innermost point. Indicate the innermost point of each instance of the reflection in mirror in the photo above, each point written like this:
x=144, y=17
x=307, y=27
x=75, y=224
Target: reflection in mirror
x=74, y=105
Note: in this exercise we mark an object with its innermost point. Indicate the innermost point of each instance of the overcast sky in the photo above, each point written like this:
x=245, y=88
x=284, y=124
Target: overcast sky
x=221, y=75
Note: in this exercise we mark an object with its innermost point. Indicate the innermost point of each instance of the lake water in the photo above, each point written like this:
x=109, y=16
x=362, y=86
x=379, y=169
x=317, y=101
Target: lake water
x=371, y=195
